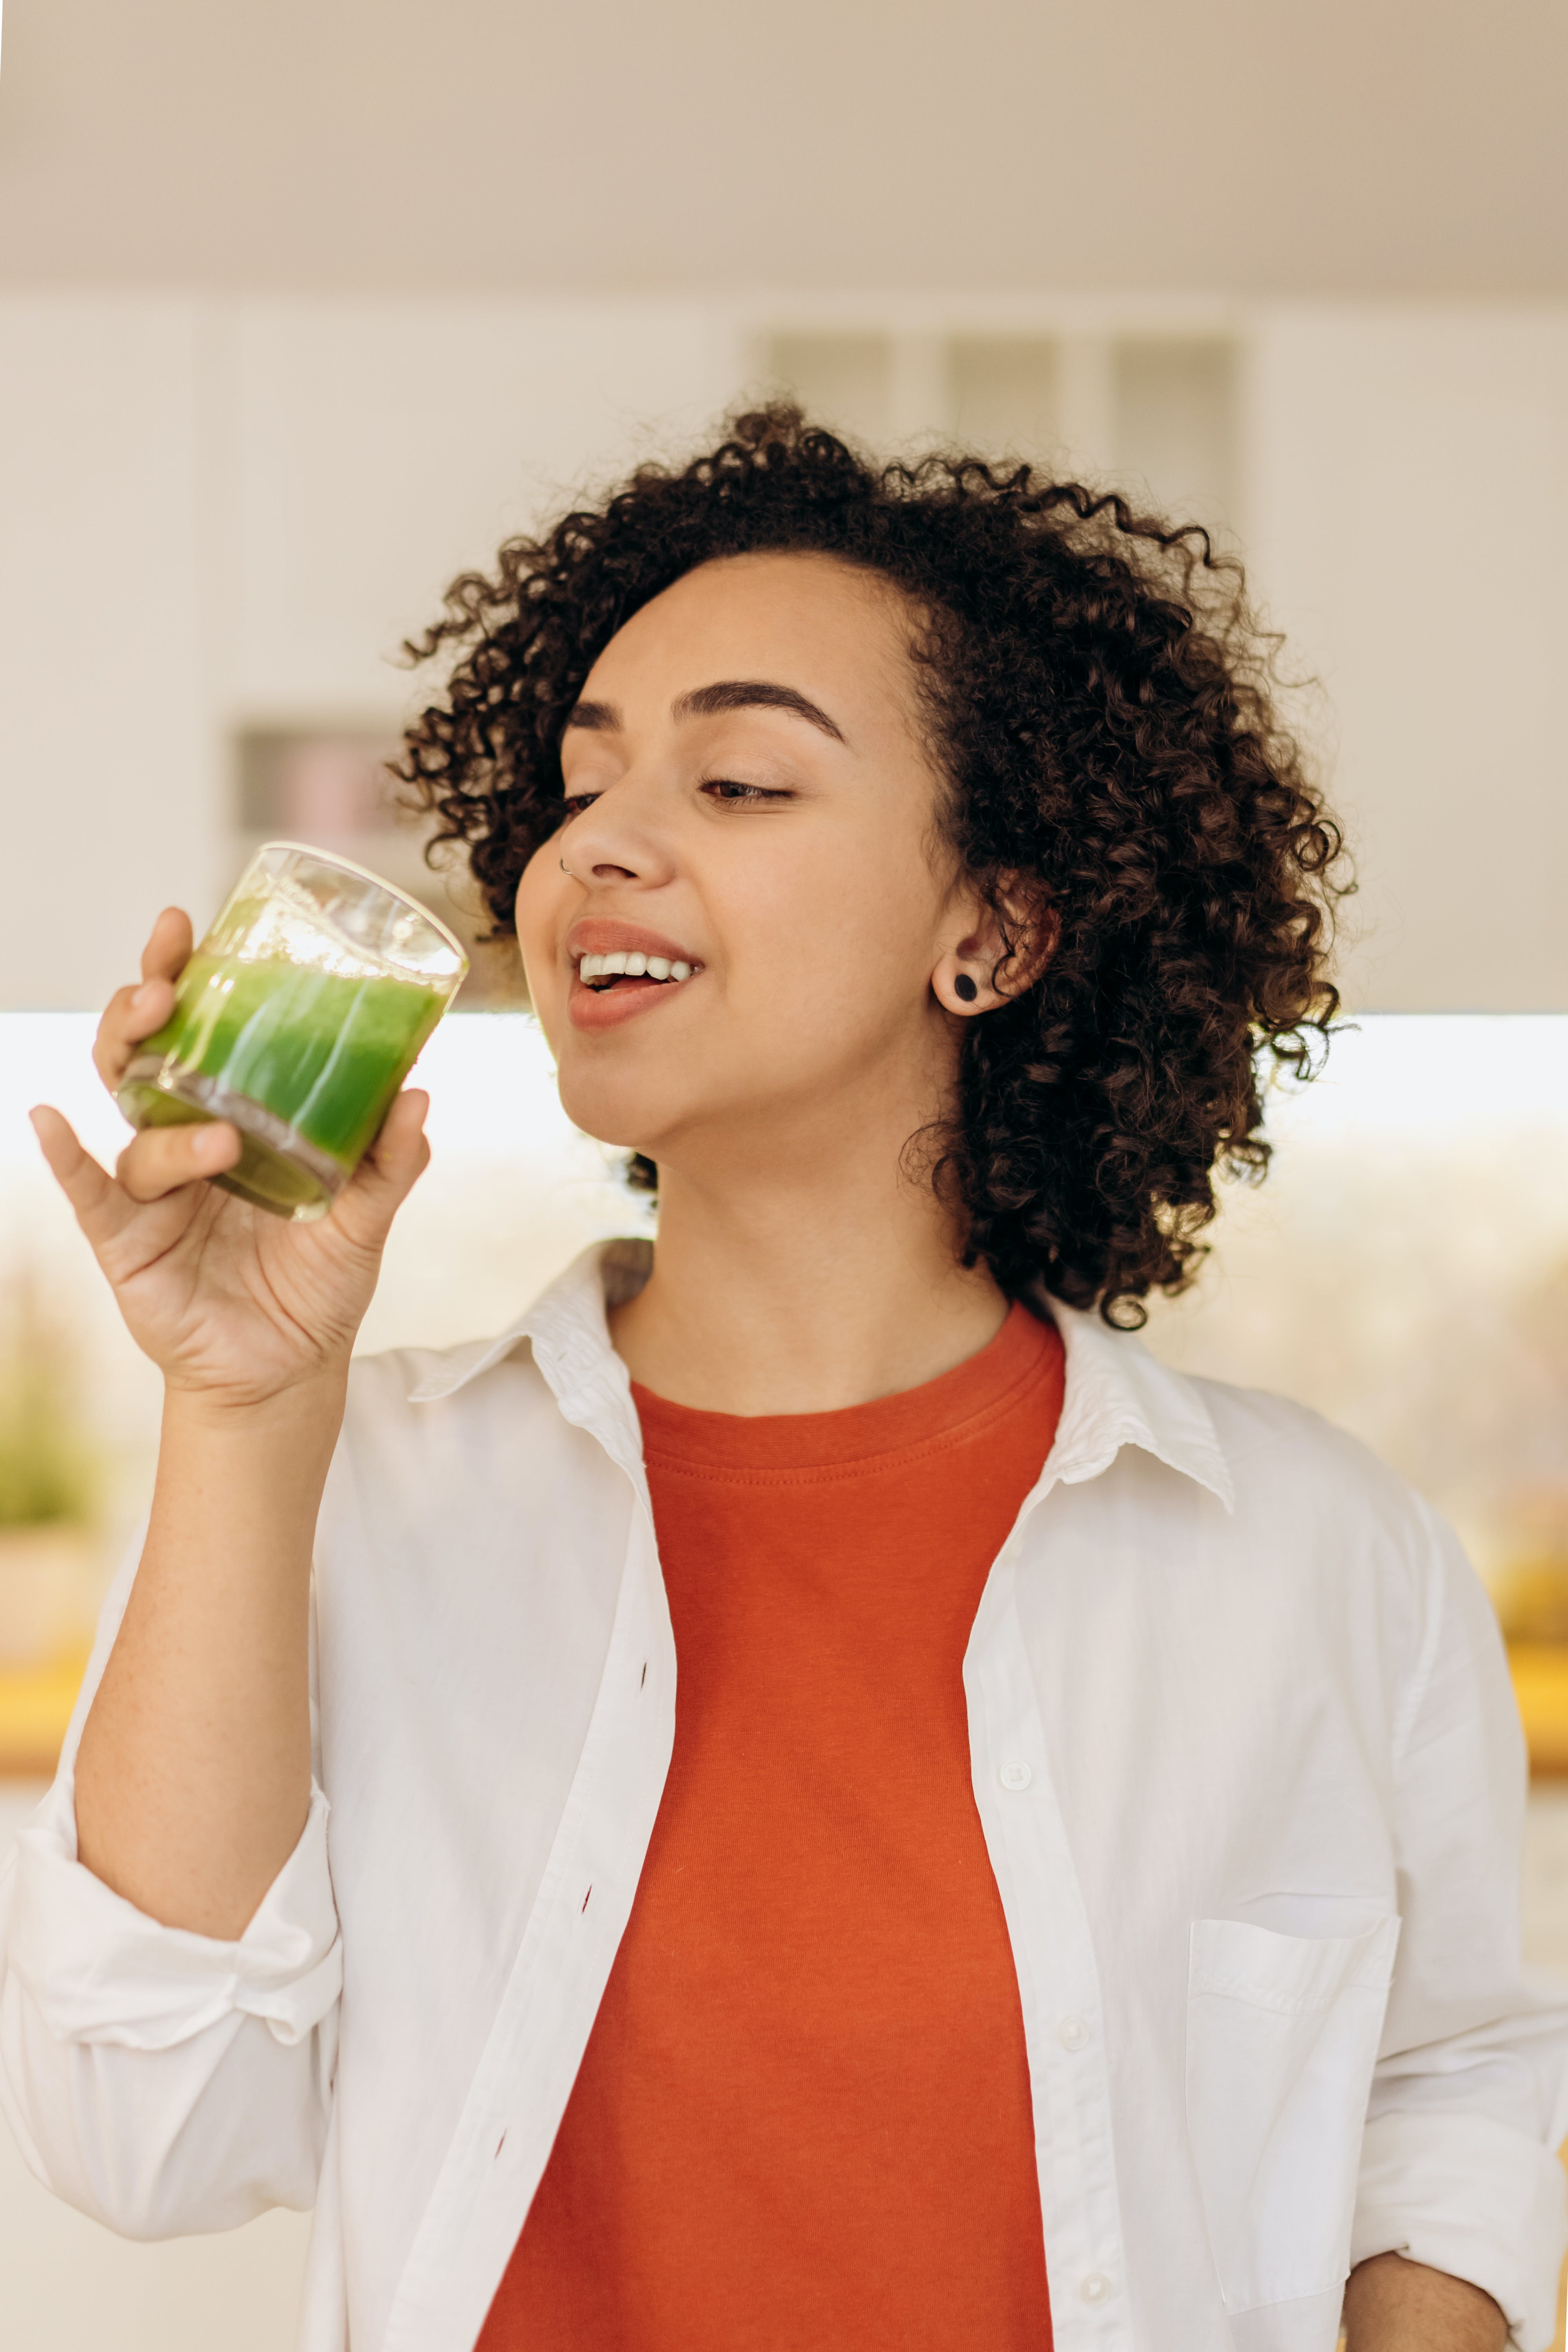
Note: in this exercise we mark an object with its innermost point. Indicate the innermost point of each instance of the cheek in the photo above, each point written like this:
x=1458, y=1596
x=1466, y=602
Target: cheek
x=870, y=909
x=837, y=953
x=539, y=896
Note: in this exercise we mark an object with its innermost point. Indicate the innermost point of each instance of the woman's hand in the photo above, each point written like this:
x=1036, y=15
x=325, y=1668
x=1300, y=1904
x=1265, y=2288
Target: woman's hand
x=231, y=1303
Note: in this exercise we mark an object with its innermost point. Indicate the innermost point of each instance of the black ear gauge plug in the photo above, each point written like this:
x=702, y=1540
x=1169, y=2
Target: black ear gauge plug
x=963, y=986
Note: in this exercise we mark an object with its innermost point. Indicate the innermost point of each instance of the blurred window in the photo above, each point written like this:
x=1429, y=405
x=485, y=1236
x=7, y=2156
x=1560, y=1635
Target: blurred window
x=1173, y=424
x=326, y=785
x=845, y=381
x=1004, y=392
x=1159, y=413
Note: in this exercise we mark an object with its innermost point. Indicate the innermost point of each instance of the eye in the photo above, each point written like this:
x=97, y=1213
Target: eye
x=731, y=794
x=574, y=804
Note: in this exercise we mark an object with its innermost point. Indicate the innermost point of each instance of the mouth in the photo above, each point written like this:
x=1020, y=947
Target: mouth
x=619, y=969
x=600, y=972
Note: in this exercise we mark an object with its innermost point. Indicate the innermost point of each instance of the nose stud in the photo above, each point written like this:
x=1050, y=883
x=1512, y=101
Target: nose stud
x=964, y=987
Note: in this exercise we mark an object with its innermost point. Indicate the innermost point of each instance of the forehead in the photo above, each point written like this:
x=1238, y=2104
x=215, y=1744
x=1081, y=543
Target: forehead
x=808, y=620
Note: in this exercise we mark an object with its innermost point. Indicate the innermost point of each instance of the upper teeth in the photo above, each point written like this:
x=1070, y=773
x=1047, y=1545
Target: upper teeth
x=634, y=964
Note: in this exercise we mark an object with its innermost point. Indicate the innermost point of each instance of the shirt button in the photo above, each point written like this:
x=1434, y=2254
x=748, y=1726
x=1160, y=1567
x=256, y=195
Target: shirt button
x=1072, y=2033
x=1096, y=2287
x=1014, y=1776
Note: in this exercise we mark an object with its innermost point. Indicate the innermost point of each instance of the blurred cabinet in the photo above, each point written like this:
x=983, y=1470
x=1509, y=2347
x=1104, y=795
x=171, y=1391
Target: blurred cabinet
x=368, y=450
x=106, y=751
x=1407, y=473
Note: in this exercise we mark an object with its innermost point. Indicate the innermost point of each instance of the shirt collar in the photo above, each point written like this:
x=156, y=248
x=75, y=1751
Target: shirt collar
x=1117, y=1394
x=569, y=1332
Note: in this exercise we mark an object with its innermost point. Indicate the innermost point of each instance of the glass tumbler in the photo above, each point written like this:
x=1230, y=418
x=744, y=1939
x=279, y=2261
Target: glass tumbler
x=296, y=1019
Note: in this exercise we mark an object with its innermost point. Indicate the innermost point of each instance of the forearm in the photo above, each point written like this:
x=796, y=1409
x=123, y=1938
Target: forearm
x=1393, y=2305
x=194, y=1776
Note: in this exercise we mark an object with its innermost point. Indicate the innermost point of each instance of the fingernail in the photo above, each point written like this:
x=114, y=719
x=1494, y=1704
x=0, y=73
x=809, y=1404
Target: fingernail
x=142, y=1000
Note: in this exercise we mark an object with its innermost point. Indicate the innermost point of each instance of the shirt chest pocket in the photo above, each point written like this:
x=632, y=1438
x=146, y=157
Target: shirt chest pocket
x=1282, y=2035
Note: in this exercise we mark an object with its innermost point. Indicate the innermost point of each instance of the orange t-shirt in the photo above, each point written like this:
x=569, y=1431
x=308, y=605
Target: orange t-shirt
x=802, y=2119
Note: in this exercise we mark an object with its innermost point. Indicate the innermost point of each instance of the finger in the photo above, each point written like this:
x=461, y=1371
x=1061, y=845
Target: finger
x=133, y=1014
x=110, y=1220
x=169, y=944
x=84, y=1184
x=388, y=1173
x=400, y=1154
x=163, y=1160
x=102, y=1208
x=130, y=1015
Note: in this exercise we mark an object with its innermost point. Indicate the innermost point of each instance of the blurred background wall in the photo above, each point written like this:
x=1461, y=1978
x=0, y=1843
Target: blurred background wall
x=223, y=512
x=302, y=308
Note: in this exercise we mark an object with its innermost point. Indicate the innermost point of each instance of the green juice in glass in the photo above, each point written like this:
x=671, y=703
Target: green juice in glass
x=299, y=1036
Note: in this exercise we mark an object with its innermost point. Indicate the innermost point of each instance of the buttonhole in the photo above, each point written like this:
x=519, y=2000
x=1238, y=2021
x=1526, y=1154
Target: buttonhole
x=500, y=2144
x=585, y=1898
x=644, y=1673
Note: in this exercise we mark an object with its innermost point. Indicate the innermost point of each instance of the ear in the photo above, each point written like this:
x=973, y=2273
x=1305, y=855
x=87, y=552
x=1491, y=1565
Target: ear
x=999, y=950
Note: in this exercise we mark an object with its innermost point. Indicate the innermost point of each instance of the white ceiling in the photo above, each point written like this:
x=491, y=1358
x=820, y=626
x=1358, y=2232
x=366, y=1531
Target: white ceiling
x=1305, y=147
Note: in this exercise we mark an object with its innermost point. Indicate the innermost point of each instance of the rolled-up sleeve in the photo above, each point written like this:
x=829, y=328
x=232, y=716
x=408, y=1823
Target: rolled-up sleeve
x=162, y=2082
x=1470, y=2099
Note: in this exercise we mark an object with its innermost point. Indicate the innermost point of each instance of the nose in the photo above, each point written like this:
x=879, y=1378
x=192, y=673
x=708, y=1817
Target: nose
x=616, y=838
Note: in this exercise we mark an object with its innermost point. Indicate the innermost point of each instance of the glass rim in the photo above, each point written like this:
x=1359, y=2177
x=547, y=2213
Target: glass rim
x=365, y=874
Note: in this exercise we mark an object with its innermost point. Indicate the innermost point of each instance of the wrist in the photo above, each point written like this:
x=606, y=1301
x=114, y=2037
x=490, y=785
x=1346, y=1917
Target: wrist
x=310, y=1407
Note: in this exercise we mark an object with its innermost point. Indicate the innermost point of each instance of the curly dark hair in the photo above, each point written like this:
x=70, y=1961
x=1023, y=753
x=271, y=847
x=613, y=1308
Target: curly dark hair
x=1099, y=700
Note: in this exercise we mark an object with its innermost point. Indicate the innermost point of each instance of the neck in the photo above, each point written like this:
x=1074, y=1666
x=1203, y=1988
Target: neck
x=803, y=1291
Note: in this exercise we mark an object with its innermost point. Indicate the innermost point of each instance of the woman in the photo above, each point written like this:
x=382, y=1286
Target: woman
x=1074, y=1891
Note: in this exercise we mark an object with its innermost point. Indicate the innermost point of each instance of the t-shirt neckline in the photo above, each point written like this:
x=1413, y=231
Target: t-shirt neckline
x=936, y=1413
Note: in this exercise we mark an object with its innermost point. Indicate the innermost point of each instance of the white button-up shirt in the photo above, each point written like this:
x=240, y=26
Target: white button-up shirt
x=1248, y=1771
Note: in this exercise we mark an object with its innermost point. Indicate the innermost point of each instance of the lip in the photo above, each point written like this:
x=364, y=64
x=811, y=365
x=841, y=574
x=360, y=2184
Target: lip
x=593, y=1009
x=604, y=935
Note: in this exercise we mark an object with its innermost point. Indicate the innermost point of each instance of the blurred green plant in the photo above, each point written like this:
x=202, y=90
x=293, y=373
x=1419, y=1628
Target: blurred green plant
x=47, y=1476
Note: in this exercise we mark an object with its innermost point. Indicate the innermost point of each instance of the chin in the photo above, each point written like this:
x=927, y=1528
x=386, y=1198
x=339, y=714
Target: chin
x=605, y=1113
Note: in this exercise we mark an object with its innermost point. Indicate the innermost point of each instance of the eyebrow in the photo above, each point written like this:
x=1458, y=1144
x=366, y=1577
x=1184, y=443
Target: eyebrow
x=754, y=694
x=710, y=701
x=595, y=717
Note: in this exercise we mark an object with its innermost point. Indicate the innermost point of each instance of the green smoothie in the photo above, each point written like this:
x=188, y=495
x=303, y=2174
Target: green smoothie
x=304, y=1061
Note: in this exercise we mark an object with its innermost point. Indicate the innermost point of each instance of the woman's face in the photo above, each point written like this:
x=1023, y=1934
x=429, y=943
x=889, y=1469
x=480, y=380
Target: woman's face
x=750, y=804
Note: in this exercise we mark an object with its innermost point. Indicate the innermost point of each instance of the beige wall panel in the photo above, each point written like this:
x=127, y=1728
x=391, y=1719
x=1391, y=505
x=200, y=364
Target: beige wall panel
x=374, y=448
x=103, y=756
x=1407, y=497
